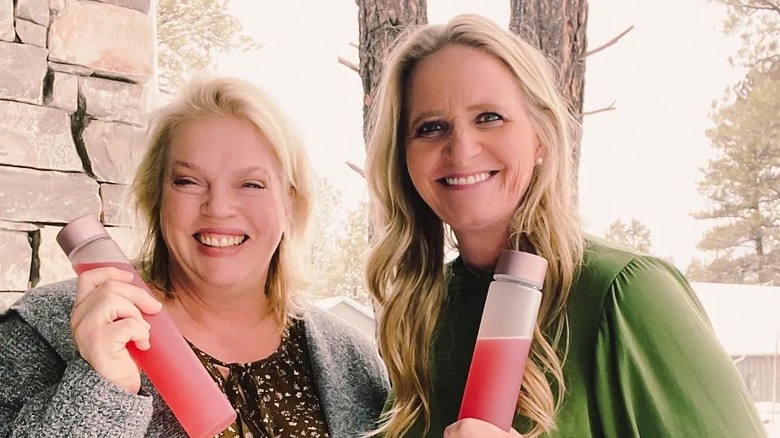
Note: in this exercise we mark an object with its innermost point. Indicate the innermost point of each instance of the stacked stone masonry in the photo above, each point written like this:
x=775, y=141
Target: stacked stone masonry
x=74, y=78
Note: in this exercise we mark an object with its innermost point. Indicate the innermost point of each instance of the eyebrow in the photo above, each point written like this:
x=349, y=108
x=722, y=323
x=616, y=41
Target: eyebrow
x=186, y=164
x=422, y=116
x=243, y=171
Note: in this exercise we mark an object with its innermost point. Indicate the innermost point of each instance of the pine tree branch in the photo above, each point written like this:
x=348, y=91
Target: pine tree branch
x=355, y=45
x=767, y=59
x=723, y=213
x=771, y=6
x=607, y=44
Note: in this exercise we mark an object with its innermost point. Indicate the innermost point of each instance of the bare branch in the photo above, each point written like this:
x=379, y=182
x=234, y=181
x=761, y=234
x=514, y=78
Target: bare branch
x=608, y=43
x=611, y=107
x=357, y=169
x=349, y=64
x=354, y=45
x=770, y=58
x=774, y=5
x=771, y=5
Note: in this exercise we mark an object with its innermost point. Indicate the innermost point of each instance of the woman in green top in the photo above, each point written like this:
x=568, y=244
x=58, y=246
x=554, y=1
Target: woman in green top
x=470, y=135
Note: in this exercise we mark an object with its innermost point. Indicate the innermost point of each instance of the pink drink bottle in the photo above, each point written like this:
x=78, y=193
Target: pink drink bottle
x=171, y=365
x=504, y=339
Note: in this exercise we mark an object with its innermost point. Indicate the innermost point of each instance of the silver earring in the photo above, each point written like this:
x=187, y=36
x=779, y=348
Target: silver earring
x=539, y=161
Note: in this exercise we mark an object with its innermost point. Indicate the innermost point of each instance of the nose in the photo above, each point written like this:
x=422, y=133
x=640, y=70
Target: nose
x=218, y=202
x=462, y=145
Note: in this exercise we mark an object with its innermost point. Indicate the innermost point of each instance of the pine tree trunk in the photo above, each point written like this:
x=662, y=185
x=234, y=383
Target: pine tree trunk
x=381, y=22
x=557, y=27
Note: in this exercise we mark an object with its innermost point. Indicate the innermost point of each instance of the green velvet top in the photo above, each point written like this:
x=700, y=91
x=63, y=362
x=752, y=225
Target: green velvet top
x=643, y=359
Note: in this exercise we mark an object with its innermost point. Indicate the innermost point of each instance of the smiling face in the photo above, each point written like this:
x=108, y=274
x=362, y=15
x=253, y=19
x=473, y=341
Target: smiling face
x=470, y=146
x=224, y=204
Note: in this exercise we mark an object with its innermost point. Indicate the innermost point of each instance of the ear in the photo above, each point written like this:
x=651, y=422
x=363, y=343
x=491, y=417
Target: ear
x=540, y=153
x=289, y=201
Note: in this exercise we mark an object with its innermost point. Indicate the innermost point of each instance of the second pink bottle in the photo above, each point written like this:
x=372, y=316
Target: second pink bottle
x=504, y=339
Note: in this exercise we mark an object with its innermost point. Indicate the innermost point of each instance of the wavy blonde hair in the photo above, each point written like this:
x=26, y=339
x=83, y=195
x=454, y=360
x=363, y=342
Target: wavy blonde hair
x=405, y=267
x=206, y=97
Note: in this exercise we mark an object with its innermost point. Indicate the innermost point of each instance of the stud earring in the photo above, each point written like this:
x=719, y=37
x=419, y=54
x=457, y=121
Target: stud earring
x=539, y=161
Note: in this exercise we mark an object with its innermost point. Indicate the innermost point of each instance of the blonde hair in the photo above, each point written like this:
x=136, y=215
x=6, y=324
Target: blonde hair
x=405, y=268
x=206, y=97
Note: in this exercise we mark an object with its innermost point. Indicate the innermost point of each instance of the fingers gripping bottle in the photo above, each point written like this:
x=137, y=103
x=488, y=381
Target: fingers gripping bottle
x=171, y=365
x=504, y=339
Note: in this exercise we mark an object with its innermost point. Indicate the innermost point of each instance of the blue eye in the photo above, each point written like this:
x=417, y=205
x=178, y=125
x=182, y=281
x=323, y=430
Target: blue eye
x=428, y=128
x=253, y=185
x=489, y=117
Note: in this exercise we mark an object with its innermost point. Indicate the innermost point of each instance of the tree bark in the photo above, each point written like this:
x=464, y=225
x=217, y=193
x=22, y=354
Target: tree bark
x=380, y=23
x=557, y=27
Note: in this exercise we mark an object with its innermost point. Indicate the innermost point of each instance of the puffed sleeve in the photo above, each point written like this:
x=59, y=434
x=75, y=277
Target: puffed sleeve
x=660, y=371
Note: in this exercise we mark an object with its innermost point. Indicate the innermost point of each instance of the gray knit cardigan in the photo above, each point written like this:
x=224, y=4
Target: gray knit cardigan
x=48, y=390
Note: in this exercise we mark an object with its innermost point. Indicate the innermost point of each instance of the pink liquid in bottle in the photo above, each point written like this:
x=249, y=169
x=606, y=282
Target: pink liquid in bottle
x=495, y=376
x=185, y=398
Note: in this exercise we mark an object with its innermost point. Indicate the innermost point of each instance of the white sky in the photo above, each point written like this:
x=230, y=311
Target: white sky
x=641, y=160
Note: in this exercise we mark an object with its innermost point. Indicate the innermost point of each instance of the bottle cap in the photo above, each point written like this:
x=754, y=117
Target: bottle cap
x=80, y=231
x=529, y=267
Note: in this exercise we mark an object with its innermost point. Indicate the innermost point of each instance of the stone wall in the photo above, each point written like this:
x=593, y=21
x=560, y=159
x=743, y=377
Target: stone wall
x=75, y=77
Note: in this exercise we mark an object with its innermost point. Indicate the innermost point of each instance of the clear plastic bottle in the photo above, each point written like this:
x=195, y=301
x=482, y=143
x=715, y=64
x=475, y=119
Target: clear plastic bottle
x=171, y=365
x=504, y=339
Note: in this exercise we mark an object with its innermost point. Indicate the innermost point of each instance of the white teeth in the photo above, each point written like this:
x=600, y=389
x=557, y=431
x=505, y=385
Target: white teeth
x=220, y=241
x=471, y=179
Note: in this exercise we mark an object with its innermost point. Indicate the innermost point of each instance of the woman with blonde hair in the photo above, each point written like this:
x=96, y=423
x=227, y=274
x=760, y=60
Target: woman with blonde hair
x=225, y=191
x=470, y=143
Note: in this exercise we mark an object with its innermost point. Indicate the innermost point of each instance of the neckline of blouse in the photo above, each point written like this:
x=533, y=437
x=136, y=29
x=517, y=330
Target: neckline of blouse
x=281, y=352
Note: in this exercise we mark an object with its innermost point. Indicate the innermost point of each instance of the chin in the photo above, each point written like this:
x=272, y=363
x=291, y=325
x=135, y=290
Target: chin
x=221, y=281
x=465, y=223
x=224, y=277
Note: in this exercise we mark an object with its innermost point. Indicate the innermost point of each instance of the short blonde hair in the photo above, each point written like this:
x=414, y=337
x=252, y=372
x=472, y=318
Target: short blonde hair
x=405, y=269
x=209, y=96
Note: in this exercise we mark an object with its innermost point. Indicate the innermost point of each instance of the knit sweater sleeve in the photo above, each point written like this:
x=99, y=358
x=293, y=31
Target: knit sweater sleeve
x=43, y=396
x=350, y=377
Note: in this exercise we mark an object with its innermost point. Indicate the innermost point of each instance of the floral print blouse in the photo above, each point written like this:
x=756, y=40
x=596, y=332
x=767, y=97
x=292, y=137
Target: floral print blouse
x=273, y=397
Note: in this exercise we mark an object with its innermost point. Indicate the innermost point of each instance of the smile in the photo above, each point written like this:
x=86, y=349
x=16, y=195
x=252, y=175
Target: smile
x=220, y=240
x=468, y=180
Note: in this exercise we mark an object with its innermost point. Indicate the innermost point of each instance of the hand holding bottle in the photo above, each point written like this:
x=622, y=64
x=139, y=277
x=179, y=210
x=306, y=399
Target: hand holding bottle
x=107, y=315
x=113, y=319
x=473, y=428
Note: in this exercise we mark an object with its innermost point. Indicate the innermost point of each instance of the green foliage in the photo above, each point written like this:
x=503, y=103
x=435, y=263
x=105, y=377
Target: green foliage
x=757, y=23
x=742, y=183
x=189, y=34
x=339, y=247
x=632, y=235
